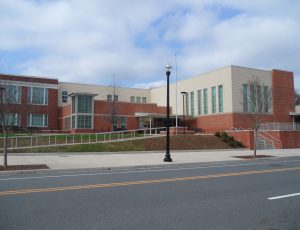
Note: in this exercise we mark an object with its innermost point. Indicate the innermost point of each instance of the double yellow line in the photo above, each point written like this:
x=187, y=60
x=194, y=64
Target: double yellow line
x=140, y=182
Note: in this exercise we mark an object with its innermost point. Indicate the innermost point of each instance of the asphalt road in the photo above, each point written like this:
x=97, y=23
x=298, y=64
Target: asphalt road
x=224, y=195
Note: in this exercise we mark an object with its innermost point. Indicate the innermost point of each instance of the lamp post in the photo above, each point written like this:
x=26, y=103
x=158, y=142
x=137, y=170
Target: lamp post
x=168, y=156
x=183, y=111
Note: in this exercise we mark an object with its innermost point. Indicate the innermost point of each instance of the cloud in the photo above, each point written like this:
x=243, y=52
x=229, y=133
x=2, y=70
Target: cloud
x=150, y=84
x=133, y=40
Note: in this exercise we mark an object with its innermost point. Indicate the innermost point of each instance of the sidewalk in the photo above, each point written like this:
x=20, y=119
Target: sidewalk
x=124, y=159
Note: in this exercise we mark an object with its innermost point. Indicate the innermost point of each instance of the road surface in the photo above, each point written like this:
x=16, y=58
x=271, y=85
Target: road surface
x=256, y=194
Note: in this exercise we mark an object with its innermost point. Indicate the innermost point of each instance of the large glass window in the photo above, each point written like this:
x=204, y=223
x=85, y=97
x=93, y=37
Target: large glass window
x=73, y=121
x=12, y=94
x=64, y=96
x=213, y=99
x=220, y=93
x=37, y=120
x=116, y=97
x=192, y=104
x=245, y=97
x=187, y=104
x=138, y=99
x=144, y=100
x=37, y=96
x=123, y=122
x=84, y=104
x=199, y=102
x=252, y=98
x=205, y=99
x=266, y=99
x=84, y=121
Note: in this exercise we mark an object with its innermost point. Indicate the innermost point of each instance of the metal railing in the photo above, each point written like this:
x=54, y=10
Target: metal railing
x=47, y=140
x=269, y=137
x=282, y=126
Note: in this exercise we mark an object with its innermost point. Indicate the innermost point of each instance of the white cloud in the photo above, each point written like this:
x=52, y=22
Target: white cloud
x=89, y=41
x=150, y=84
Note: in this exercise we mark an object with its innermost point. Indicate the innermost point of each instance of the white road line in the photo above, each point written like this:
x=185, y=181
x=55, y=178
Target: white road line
x=284, y=196
x=143, y=171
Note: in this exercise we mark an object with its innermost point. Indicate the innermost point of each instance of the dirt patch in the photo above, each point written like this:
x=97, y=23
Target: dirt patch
x=252, y=157
x=23, y=167
x=186, y=142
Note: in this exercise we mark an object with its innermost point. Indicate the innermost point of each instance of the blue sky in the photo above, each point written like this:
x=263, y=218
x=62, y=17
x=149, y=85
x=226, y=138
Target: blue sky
x=91, y=41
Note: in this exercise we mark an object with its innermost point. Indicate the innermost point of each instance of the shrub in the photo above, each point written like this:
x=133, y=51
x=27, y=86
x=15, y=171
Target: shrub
x=218, y=134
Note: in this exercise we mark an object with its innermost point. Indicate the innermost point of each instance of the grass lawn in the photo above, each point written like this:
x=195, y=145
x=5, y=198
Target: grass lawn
x=179, y=142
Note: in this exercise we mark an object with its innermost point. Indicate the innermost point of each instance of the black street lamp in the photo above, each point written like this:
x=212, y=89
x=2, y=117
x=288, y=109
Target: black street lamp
x=183, y=111
x=168, y=156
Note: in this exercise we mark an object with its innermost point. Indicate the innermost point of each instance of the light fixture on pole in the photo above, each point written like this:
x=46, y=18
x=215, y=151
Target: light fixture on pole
x=183, y=110
x=168, y=156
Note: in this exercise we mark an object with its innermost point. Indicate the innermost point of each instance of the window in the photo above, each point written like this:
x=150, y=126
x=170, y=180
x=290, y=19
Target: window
x=12, y=94
x=259, y=100
x=205, y=101
x=74, y=104
x=116, y=97
x=109, y=97
x=84, y=104
x=84, y=121
x=199, y=102
x=144, y=100
x=123, y=122
x=220, y=93
x=187, y=104
x=266, y=99
x=192, y=103
x=132, y=99
x=64, y=96
x=252, y=99
x=73, y=121
x=37, y=96
x=245, y=97
x=138, y=99
x=115, y=123
x=37, y=120
x=213, y=100
x=11, y=119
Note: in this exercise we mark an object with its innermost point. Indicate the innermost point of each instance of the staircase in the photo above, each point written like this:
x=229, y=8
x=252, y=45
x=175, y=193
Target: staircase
x=267, y=141
x=263, y=143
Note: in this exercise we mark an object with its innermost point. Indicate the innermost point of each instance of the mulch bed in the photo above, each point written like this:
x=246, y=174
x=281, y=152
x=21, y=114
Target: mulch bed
x=23, y=167
x=252, y=157
x=183, y=142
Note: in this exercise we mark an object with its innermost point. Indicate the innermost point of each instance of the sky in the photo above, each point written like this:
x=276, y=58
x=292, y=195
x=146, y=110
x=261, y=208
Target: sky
x=131, y=41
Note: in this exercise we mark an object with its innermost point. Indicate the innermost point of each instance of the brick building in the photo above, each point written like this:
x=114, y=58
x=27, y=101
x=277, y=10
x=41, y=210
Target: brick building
x=214, y=102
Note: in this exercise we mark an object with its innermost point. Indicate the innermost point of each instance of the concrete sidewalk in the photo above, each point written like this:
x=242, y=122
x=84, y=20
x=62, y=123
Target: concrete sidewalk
x=125, y=159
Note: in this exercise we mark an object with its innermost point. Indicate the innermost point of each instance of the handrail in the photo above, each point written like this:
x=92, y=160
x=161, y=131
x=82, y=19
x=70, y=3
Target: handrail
x=274, y=138
x=264, y=138
x=20, y=142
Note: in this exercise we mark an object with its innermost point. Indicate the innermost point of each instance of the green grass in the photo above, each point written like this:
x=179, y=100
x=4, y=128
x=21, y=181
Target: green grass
x=98, y=147
x=39, y=140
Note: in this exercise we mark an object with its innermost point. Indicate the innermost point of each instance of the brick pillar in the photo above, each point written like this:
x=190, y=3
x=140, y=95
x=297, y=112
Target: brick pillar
x=283, y=95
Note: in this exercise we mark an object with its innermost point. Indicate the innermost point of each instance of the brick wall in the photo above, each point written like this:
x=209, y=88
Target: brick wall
x=283, y=95
x=24, y=108
x=245, y=136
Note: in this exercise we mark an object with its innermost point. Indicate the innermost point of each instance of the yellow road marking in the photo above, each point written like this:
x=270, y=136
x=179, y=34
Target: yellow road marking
x=128, y=183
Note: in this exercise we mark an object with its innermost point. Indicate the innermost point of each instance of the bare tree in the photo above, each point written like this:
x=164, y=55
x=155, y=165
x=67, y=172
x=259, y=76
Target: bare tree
x=113, y=104
x=257, y=100
x=9, y=97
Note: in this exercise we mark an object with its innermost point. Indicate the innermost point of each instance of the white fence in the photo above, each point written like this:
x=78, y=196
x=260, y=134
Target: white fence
x=47, y=140
x=282, y=126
